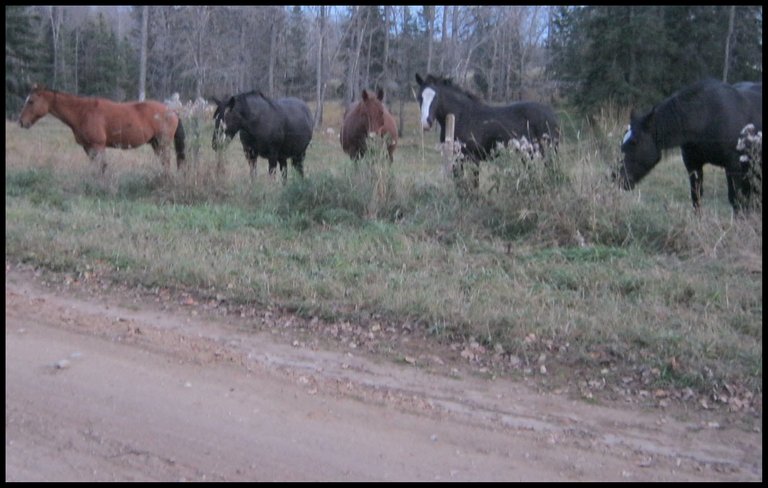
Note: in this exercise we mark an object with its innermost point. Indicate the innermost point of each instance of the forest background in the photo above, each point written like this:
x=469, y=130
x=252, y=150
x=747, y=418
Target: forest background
x=579, y=58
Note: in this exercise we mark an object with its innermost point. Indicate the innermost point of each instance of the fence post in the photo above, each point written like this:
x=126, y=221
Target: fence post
x=448, y=149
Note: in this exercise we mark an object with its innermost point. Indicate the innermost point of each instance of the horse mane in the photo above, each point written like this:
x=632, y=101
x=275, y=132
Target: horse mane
x=670, y=115
x=259, y=93
x=447, y=83
x=254, y=93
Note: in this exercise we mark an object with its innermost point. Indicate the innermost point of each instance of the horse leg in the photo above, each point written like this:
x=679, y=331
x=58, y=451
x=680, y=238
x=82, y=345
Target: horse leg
x=298, y=163
x=272, y=166
x=99, y=156
x=739, y=190
x=284, y=169
x=252, y=165
x=252, y=157
x=161, y=152
x=390, y=149
x=178, y=144
x=696, y=176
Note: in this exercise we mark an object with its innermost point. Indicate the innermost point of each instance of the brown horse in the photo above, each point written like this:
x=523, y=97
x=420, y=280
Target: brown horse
x=98, y=123
x=368, y=116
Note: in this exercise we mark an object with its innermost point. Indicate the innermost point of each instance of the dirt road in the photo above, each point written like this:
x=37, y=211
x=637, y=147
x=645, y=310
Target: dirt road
x=106, y=388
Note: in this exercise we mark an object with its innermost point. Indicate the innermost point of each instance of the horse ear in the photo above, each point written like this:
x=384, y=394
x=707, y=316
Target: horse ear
x=419, y=80
x=380, y=94
x=365, y=94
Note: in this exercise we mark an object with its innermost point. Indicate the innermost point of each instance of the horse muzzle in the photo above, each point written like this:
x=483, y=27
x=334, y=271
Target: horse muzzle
x=220, y=140
x=620, y=177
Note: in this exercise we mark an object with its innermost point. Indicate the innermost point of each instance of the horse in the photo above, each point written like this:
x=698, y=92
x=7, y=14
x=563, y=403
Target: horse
x=705, y=120
x=273, y=129
x=480, y=128
x=368, y=116
x=99, y=123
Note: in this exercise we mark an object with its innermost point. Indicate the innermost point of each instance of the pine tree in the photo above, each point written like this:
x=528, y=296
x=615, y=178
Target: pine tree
x=98, y=62
x=23, y=52
x=637, y=55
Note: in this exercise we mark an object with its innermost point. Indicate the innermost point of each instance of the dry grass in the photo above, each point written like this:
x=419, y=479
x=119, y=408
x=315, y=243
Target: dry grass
x=556, y=262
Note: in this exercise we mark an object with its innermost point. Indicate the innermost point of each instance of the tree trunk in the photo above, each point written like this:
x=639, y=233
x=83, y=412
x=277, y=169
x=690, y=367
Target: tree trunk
x=143, y=55
x=443, y=39
x=492, y=70
x=353, y=69
x=403, y=53
x=454, y=28
x=272, y=59
x=201, y=65
x=429, y=11
x=367, y=81
x=385, y=64
x=726, y=62
x=77, y=59
x=56, y=18
x=320, y=86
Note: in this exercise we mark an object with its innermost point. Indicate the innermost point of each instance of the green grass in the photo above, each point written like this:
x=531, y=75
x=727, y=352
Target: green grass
x=553, y=252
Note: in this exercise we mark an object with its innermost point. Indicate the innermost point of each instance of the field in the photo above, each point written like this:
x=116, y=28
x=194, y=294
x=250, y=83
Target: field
x=548, y=272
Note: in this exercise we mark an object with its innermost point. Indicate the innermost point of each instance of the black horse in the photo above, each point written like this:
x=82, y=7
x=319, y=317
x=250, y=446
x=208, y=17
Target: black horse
x=273, y=129
x=480, y=128
x=705, y=119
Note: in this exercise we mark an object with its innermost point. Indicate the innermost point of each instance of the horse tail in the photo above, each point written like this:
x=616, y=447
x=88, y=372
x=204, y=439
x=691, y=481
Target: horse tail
x=178, y=143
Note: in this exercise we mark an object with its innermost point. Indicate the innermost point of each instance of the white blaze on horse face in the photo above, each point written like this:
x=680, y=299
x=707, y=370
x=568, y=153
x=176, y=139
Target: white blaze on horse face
x=627, y=136
x=427, y=96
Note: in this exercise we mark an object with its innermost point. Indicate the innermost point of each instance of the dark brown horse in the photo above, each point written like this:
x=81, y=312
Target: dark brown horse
x=368, y=116
x=98, y=123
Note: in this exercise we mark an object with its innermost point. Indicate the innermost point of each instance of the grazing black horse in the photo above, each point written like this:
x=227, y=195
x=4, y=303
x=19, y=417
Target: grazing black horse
x=273, y=129
x=480, y=127
x=705, y=119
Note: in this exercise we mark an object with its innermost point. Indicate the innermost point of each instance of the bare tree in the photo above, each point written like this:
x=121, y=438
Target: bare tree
x=56, y=18
x=359, y=24
x=143, y=55
x=387, y=26
x=454, y=39
x=728, y=37
x=202, y=16
x=429, y=13
x=443, y=39
x=320, y=86
x=273, y=34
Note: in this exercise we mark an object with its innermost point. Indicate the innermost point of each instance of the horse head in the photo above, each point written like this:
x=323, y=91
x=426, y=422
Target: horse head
x=437, y=97
x=373, y=108
x=426, y=97
x=35, y=107
x=640, y=150
x=226, y=122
